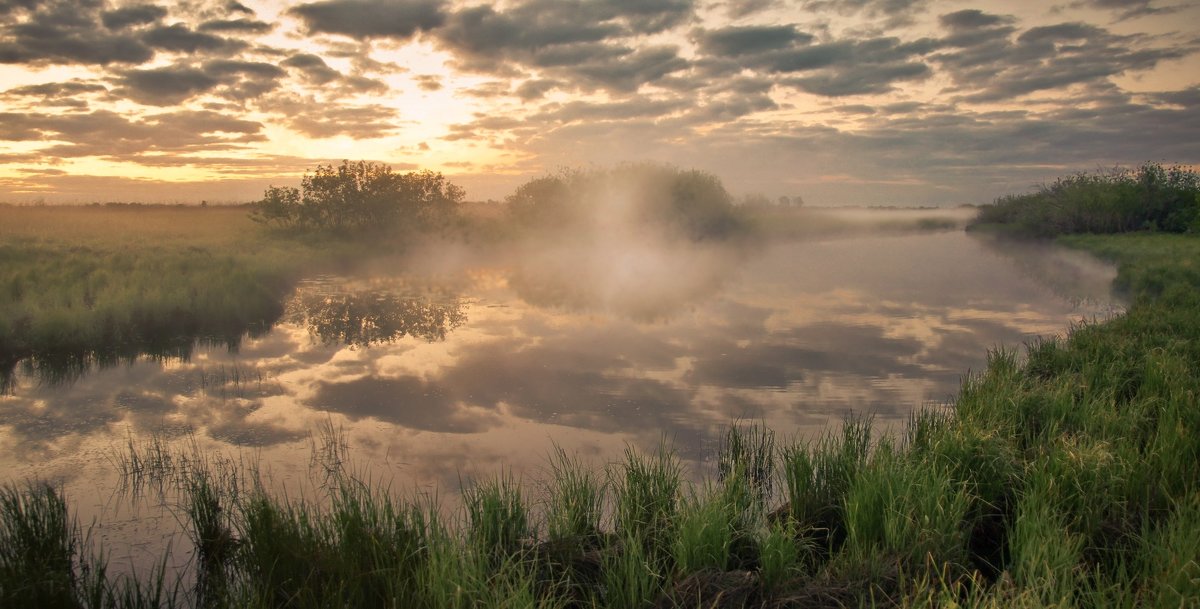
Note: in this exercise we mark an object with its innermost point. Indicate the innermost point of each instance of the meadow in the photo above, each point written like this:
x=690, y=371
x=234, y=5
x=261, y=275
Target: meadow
x=1062, y=475
x=85, y=285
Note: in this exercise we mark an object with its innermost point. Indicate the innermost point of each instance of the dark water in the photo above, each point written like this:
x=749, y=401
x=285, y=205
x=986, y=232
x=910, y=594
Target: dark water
x=475, y=365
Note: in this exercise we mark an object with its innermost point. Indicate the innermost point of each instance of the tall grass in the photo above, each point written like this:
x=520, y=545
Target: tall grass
x=94, y=286
x=1151, y=197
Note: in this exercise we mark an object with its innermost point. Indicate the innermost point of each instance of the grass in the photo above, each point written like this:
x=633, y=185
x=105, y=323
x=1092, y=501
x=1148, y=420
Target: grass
x=1151, y=197
x=96, y=285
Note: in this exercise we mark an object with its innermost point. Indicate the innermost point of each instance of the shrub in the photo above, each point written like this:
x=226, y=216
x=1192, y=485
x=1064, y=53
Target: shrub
x=1151, y=197
x=689, y=203
x=356, y=197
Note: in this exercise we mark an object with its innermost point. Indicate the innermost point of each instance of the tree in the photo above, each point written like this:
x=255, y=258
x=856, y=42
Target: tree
x=356, y=197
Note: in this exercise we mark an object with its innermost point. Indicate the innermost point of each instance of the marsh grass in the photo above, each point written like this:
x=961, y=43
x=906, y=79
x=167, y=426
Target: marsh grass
x=1150, y=197
x=94, y=286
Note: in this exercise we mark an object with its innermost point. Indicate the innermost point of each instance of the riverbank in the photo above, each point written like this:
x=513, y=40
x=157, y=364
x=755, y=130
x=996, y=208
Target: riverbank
x=1063, y=477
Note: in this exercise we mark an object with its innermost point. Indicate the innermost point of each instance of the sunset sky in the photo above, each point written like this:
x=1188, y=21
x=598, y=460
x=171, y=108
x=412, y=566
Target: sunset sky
x=875, y=102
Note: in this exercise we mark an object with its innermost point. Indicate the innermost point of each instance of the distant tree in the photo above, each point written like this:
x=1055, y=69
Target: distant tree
x=756, y=200
x=784, y=201
x=356, y=197
x=690, y=203
x=797, y=201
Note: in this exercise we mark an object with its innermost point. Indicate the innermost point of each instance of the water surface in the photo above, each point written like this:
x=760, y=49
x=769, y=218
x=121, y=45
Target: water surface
x=436, y=376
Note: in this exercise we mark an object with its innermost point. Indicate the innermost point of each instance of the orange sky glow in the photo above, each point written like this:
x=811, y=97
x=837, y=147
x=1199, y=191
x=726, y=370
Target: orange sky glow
x=872, y=102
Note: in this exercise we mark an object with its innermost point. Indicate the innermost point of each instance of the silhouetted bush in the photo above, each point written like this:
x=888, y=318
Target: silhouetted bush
x=1149, y=198
x=355, y=197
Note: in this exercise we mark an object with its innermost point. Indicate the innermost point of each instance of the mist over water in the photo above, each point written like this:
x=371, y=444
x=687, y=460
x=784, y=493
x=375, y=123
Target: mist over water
x=614, y=330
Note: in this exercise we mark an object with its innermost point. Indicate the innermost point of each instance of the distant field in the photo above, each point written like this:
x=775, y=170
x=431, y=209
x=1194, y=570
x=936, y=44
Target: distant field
x=809, y=222
x=97, y=283
x=116, y=225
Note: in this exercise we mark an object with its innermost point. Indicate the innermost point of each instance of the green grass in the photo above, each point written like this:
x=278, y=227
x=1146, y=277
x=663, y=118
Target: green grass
x=1151, y=197
x=81, y=286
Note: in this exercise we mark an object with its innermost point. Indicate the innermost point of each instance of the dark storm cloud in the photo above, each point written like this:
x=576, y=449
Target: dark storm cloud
x=236, y=26
x=63, y=32
x=371, y=18
x=139, y=14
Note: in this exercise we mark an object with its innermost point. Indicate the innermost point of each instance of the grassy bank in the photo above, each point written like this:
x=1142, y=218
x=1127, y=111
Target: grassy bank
x=1149, y=198
x=1064, y=476
x=97, y=284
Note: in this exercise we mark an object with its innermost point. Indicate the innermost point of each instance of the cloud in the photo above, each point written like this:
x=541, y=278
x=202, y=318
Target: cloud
x=428, y=82
x=64, y=32
x=371, y=18
x=236, y=26
x=894, y=13
x=138, y=14
x=860, y=80
x=987, y=65
x=181, y=39
x=750, y=40
x=307, y=116
x=1131, y=9
x=165, y=86
x=314, y=69
x=108, y=134
x=586, y=44
x=832, y=69
x=736, y=9
x=58, y=89
x=972, y=19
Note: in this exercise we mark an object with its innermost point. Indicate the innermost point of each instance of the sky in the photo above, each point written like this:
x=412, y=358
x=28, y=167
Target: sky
x=841, y=102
